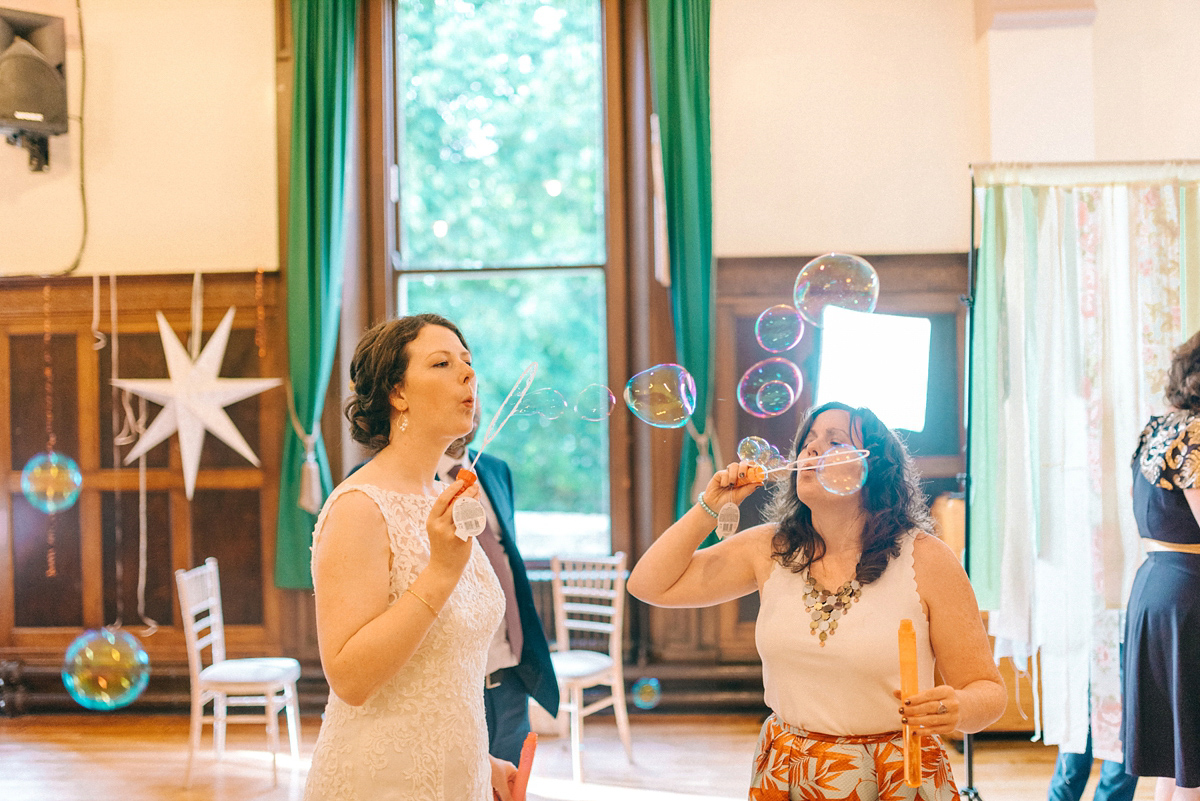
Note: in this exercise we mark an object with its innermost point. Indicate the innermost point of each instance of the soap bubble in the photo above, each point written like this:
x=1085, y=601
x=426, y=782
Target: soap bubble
x=663, y=396
x=753, y=449
x=646, y=693
x=835, y=279
x=774, y=460
x=545, y=402
x=594, y=402
x=774, y=371
x=105, y=669
x=51, y=481
x=775, y=397
x=779, y=328
x=842, y=469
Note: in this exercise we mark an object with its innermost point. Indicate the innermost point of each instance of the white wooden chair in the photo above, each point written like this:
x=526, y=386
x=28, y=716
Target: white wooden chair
x=263, y=681
x=589, y=599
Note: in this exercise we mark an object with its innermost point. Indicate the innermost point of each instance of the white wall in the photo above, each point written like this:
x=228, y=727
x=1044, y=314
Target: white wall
x=180, y=150
x=850, y=125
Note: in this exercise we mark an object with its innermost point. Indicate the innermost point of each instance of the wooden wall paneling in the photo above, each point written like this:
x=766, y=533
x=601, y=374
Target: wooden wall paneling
x=91, y=540
x=7, y=597
x=617, y=230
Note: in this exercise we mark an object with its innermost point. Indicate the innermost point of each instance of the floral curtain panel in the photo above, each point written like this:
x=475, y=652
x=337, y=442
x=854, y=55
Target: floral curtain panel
x=1082, y=293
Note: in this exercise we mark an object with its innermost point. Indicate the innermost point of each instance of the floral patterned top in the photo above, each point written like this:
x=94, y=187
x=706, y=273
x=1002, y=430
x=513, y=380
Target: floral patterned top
x=1166, y=462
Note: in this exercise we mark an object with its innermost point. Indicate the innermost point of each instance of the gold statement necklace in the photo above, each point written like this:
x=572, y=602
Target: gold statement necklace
x=825, y=608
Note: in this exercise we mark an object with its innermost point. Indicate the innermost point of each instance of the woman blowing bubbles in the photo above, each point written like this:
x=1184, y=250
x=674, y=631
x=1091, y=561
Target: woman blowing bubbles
x=405, y=609
x=832, y=681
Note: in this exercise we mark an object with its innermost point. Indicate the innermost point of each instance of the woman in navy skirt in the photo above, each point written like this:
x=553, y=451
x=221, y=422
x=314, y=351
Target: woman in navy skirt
x=1161, y=723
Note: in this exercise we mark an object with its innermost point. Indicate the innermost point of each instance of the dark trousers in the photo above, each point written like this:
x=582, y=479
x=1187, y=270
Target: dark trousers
x=507, y=709
x=1071, y=776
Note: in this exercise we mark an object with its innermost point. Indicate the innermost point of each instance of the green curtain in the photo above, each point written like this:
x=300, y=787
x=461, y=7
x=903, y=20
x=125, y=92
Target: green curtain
x=986, y=379
x=679, y=57
x=321, y=117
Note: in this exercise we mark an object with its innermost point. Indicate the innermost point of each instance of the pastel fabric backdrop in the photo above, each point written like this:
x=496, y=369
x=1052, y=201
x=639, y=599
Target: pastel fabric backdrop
x=1082, y=293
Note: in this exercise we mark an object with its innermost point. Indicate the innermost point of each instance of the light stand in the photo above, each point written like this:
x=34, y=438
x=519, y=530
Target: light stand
x=969, y=793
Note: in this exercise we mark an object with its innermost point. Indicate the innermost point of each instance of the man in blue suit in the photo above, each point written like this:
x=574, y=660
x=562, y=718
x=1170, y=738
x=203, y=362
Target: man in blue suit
x=518, y=665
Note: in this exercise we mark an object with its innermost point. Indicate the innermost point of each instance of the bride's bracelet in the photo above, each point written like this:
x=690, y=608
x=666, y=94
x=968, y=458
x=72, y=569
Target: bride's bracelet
x=705, y=506
x=422, y=600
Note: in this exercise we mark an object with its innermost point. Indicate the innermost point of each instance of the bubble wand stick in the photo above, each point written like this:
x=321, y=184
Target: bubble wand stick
x=469, y=515
x=907, y=637
x=729, y=517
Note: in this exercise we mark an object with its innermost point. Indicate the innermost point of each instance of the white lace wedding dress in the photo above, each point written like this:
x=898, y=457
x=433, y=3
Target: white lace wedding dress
x=422, y=736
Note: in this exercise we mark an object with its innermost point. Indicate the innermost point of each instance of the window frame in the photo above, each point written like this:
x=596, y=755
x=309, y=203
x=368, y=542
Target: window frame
x=622, y=25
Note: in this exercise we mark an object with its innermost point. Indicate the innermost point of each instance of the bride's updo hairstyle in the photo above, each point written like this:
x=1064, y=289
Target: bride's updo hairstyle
x=379, y=366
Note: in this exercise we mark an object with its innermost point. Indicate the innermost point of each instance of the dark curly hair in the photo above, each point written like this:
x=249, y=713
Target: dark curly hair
x=1183, y=378
x=379, y=366
x=892, y=499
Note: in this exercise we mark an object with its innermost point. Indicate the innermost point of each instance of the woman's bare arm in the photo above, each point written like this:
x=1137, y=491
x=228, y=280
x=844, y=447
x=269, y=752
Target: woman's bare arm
x=363, y=641
x=974, y=694
x=673, y=573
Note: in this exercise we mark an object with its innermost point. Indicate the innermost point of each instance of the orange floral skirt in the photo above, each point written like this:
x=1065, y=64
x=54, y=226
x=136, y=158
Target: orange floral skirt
x=798, y=765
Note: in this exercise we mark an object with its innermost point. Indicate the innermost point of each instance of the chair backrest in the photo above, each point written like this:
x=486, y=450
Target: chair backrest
x=589, y=598
x=200, y=610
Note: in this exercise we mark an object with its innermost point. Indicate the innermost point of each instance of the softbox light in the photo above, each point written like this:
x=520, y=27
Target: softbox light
x=880, y=361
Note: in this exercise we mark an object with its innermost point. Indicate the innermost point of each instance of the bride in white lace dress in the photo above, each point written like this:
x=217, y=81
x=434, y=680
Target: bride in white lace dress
x=405, y=609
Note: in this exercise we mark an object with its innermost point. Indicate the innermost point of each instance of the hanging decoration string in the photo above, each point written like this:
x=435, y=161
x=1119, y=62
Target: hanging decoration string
x=99, y=336
x=311, y=497
x=48, y=375
x=260, y=315
x=126, y=432
x=197, y=316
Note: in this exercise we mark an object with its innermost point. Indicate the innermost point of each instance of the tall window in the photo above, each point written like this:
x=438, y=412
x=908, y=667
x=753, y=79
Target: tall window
x=502, y=228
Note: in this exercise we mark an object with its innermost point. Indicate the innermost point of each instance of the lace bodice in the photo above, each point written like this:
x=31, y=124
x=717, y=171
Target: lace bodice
x=423, y=734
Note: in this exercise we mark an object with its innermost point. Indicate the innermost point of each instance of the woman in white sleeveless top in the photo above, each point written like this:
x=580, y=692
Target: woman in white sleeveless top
x=836, y=575
x=405, y=609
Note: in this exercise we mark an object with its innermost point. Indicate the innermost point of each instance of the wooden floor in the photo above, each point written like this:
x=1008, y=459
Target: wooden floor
x=678, y=758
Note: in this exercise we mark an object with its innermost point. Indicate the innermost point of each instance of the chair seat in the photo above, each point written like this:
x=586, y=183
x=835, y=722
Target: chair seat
x=243, y=674
x=576, y=665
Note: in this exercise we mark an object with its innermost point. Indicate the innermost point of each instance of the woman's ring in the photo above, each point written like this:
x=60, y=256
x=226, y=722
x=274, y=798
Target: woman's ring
x=941, y=709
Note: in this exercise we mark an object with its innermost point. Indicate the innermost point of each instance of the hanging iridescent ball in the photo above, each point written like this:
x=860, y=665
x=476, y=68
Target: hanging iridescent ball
x=646, y=693
x=835, y=279
x=51, y=481
x=105, y=669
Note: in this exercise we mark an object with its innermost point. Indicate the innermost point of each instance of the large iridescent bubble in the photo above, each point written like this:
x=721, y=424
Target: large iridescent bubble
x=779, y=328
x=663, y=396
x=51, y=481
x=842, y=469
x=770, y=387
x=105, y=669
x=835, y=279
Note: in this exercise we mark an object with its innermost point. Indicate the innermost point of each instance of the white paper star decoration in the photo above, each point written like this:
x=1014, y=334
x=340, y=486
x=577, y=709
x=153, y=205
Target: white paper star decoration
x=194, y=399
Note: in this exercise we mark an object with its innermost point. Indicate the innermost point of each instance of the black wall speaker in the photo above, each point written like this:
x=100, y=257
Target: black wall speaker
x=33, y=84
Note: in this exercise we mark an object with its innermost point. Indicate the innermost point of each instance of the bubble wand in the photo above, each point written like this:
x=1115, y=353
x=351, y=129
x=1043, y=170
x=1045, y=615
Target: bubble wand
x=907, y=637
x=729, y=516
x=469, y=515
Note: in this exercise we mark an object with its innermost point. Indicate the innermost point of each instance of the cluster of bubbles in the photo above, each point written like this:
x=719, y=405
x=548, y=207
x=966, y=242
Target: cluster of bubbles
x=664, y=396
x=51, y=481
x=105, y=669
x=841, y=470
x=772, y=386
